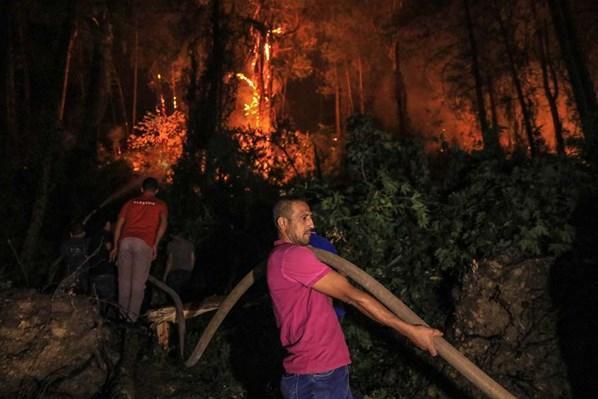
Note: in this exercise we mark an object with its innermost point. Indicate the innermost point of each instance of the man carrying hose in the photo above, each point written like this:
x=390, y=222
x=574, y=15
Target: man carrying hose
x=301, y=287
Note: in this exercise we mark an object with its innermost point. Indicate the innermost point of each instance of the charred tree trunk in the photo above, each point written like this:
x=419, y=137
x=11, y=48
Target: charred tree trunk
x=361, y=93
x=207, y=107
x=337, y=104
x=24, y=52
x=527, y=119
x=283, y=98
x=16, y=93
x=65, y=78
x=490, y=140
x=579, y=76
x=350, y=104
x=493, y=110
x=100, y=84
x=49, y=151
x=5, y=66
x=116, y=83
x=135, y=77
x=551, y=93
x=10, y=93
x=401, y=94
x=39, y=211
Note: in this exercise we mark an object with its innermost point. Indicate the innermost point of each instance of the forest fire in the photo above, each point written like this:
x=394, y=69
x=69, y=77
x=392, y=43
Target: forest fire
x=254, y=116
x=158, y=142
x=449, y=147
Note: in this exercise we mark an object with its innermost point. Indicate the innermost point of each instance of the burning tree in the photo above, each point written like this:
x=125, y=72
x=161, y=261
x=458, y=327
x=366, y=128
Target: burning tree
x=158, y=143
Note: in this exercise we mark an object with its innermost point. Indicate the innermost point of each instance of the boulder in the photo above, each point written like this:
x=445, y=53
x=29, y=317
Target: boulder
x=505, y=322
x=57, y=346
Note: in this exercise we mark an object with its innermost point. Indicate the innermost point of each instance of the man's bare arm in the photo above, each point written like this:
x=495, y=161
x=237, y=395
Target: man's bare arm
x=117, y=232
x=337, y=286
x=161, y=230
x=168, y=267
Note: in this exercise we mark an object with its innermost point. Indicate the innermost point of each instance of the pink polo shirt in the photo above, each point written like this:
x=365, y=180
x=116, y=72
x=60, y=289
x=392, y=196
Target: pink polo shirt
x=309, y=328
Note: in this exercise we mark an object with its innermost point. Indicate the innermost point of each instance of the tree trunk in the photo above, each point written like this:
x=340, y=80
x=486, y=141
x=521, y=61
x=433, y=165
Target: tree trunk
x=135, y=74
x=401, y=94
x=361, y=94
x=337, y=104
x=493, y=109
x=529, y=130
x=116, y=83
x=579, y=77
x=283, y=98
x=490, y=140
x=24, y=52
x=5, y=82
x=39, y=211
x=47, y=163
x=100, y=84
x=350, y=104
x=548, y=75
x=10, y=95
x=65, y=78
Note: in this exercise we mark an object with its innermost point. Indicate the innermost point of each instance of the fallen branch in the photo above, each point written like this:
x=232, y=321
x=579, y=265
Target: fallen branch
x=168, y=314
x=180, y=319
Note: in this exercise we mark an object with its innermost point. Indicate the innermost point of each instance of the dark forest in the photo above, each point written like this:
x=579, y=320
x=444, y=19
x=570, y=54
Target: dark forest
x=448, y=148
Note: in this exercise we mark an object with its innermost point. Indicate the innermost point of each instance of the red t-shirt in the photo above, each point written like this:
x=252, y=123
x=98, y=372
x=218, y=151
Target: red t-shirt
x=142, y=218
x=309, y=328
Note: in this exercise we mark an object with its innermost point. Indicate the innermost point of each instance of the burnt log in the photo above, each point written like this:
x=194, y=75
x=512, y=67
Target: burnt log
x=162, y=318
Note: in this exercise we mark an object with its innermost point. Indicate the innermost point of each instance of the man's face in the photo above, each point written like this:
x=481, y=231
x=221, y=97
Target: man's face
x=298, y=227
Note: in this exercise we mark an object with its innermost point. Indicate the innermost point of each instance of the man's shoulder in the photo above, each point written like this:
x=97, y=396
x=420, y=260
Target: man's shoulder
x=142, y=200
x=294, y=251
x=159, y=201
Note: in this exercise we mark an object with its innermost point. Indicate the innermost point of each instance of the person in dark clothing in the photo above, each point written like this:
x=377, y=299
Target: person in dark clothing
x=103, y=282
x=179, y=264
x=74, y=252
x=103, y=243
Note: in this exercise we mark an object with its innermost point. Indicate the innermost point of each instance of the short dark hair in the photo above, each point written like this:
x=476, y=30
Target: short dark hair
x=150, y=184
x=283, y=207
x=76, y=228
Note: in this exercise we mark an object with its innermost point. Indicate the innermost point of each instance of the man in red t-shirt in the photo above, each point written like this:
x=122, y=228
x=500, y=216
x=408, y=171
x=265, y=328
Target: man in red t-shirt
x=301, y=288
x=140, y=226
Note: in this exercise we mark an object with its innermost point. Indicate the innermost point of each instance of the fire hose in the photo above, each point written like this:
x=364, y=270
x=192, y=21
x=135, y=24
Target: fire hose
x=448, y=352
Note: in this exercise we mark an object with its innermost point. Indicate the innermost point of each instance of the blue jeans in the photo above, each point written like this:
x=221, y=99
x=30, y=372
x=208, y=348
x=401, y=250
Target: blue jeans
x=333, y=384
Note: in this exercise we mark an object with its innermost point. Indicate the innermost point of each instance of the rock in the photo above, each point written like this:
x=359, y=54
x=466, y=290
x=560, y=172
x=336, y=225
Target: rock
x=506, y=324
x=54, y=345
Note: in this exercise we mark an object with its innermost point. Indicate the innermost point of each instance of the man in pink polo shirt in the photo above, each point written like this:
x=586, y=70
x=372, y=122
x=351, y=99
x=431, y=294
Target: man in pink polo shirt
x=301, y=288
x=140, y=226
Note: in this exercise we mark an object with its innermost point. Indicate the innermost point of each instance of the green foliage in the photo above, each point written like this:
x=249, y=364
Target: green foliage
x=519, y=209
x=414, y=222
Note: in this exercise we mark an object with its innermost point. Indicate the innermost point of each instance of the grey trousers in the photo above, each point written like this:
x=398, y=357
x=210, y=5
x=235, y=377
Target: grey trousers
x=134, y=261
